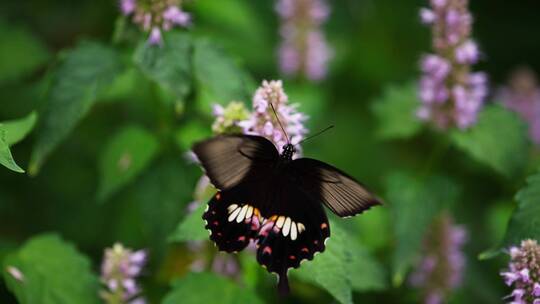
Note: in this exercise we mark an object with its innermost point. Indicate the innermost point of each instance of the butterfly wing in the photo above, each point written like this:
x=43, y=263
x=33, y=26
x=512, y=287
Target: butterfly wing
x=294, y=229
x=230, y=159
x=340, y=192
x=233, y=218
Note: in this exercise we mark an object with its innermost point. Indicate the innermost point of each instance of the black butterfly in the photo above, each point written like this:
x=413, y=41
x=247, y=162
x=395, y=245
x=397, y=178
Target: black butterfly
x=274, y=200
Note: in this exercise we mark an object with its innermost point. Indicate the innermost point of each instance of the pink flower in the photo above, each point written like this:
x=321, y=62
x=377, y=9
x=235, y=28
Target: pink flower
x=523, y=272
x=451, y=96
x=303, y=49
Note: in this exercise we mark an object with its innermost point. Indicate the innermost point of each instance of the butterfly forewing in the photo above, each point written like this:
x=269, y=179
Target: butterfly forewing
x=341, y=193
x=231, y=159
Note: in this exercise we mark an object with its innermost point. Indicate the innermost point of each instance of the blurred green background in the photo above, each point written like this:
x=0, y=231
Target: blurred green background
x=376, y=44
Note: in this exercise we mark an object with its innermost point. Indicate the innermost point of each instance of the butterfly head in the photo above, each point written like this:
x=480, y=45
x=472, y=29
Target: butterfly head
x=288, y=152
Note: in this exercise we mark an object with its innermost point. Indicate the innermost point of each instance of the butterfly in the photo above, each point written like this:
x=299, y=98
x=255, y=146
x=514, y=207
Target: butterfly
x=274, y=200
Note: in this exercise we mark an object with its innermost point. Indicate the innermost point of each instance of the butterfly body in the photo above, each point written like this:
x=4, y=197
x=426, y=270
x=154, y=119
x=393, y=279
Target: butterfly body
x=274, y=200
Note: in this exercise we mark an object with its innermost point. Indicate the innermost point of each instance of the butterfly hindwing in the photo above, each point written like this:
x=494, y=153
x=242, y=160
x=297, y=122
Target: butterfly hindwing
x=231, y=159
x=232, y=219
x=294, y=229
x=340, y=192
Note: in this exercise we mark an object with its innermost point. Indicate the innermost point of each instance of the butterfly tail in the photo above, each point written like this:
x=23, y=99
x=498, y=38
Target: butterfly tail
x=283, y=284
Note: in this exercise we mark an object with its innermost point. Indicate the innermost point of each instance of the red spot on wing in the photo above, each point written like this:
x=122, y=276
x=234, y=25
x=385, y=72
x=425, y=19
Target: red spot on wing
x=324, y=225
x=218, y=196
x=267, y=250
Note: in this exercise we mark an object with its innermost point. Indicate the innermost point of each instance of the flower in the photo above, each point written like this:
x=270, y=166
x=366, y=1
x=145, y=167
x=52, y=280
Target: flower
x=303, y=49
x=450, y=93
x=228, y=118
x=440, y=270
x=523, y=273
x=264, y=122
x=522, y=95
x=155, y=16
x=119, y=270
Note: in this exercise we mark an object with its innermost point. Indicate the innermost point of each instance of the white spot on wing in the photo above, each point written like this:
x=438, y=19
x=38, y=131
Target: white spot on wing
x=242, y=215
x=249, y=212
x=231, y=208
x=280, y=221
x=286, y=226
x=293, y=231
x=234, y=214
x=301, y=227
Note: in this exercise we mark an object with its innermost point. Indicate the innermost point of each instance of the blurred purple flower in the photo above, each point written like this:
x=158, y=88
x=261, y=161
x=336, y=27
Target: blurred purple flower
x=156, y=16
x=522, y=95
x=303, y=49
x=119, y=270
x=440, y=270
x=127, y=6
x=450, y=93
x=523, y=273
x=263, y=121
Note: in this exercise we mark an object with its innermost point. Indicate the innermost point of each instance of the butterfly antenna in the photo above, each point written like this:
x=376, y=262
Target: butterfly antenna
x=317, y=134
x=279, y=122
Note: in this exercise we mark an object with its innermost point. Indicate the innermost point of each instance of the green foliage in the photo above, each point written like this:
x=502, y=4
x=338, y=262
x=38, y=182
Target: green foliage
x=208, y=288
x=395, y=111
x=127, y=154
x=21, y=52
x=192, y=227
x=498, y=140
x=6, y=159
x=191, y=132
x=344, y=265
x=81, y=77
x=54, y=272
x=17, y=130
x=217, y=77
x=168, y=65
x=525, y=221
x=414, y=204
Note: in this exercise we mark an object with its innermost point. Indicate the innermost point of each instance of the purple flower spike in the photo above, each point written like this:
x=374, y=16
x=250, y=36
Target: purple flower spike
x=523, y=272
x=451, y=95
x=127, y=7
x=155, y=37
x=522, y=95
x=263, y=121
x=121, y=266
x=156, y=16
x=440, y=270
x=303, y=50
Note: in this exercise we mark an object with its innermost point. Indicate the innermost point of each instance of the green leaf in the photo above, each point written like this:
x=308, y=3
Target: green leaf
x=6, y=159
x=169, y=65
x=498, y=140
x=191, y=132
x=366, y=273
x=414, y=204
x=344, y=265
x=53, y=271
x=525, y=220
x=218, y=78
x=157, y=202
x=395, y=111
x=82, y=75
x=17, y=130
x=21, y=52
x=126, y=155
x=208, y=288
x=191, y=228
